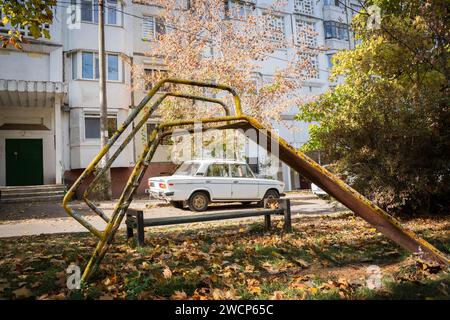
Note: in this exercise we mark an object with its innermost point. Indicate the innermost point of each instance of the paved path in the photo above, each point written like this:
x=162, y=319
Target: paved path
x=51, y=218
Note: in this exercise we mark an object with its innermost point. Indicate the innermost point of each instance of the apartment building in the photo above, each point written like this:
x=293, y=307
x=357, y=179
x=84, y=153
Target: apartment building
x=49, y=115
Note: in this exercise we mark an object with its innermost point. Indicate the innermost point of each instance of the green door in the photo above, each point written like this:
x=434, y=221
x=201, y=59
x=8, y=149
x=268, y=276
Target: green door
x=24, y=163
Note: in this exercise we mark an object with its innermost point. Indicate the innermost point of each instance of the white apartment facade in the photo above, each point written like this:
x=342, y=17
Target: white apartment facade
x=49, y=115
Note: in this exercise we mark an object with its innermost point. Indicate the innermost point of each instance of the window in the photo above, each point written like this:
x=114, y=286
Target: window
x=241, y=171
x=74, y=66
x=306, y=33
x=239, y=9
x=187, y=169
x=335, y=30
x=112, y=7
x=304, y=6
x=336, y=3
x=89, y=11
x=330, y=62
x=90, y=66
x=113, y=67
x=276, y=27
x=152, y=27
x=92, y=126
x=253, y=163
x=151, y=76
x=217, y=170
x=87, y=65
x=312, y=67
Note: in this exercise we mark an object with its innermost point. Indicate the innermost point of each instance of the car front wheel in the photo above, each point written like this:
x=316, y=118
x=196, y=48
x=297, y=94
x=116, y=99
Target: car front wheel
x=198, y=201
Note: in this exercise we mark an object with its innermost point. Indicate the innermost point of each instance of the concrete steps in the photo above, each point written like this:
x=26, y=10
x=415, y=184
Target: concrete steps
x=52, y=192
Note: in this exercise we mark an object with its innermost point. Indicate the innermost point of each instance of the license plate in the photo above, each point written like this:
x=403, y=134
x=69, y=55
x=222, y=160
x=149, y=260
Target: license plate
x=152, y=184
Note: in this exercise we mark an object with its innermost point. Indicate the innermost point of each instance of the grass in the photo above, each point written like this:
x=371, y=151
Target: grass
x=324, y=258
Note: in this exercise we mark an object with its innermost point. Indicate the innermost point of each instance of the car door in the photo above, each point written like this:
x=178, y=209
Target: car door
x=244, y=186
x=218, y=181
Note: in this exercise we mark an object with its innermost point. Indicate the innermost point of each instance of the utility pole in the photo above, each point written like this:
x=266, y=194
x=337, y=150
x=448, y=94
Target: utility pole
x=105, y=188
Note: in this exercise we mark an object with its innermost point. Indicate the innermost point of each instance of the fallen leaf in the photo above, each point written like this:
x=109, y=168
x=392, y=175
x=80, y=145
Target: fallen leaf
x=313, y=290
x=302, y=263
x=59, y=296
x=277, y=295
x=167, y=273
x=253, y=286
x=179, y=295
x=22, y=293
x=4, y=286
x=249, y=268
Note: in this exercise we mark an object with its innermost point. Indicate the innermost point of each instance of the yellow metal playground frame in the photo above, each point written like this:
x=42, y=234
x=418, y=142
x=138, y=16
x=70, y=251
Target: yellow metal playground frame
x=294, y=158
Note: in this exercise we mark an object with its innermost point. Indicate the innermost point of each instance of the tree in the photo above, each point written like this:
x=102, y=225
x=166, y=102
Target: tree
x=209, y=40
x=386, y=128
x=30, y=14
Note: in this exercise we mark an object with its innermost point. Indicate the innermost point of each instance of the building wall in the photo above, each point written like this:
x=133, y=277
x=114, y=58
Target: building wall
x=51, y=60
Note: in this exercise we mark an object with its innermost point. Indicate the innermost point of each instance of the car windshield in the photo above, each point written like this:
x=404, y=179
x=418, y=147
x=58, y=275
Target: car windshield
x=187, y=169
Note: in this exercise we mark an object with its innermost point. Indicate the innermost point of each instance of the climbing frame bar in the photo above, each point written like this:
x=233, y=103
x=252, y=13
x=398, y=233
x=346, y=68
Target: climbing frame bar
x=337, y=188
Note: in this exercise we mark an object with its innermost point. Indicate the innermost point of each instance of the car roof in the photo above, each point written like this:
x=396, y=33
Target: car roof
x=216, y=161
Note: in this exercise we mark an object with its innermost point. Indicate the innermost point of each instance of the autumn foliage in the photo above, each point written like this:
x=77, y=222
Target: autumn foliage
x=386, y=128
x=211, y=41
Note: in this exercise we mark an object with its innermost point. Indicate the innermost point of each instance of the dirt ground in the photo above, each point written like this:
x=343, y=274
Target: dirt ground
x=324, y=258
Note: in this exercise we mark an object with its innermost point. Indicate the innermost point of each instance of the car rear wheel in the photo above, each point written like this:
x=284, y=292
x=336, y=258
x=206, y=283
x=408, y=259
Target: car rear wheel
x=198, y=201
x=177, y=204
x=270, y=194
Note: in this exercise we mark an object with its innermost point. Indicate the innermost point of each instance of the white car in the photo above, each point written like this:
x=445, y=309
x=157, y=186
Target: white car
x=199, y=182
x=318, y=191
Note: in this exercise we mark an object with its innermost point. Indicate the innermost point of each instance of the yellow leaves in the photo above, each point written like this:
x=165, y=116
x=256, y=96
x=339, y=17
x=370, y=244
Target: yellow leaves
x=167, y=273
x=110, y=281
x=249, y=268
x=179, y=295
x=22, y=293
x=299, y=284
x=227, y=253
x=372, y=230
x=428, y=266
x=277, y=255
x=218, y=294
x=302, y=263
x=270, y=268
x=313, y=290
x=5, y=20
x=277, y=295
x=253, y=286
x=145, y=265
x=4, y=284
